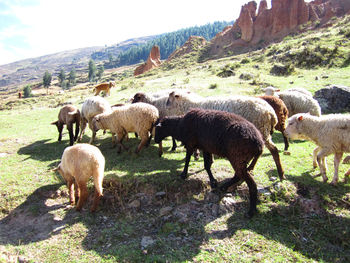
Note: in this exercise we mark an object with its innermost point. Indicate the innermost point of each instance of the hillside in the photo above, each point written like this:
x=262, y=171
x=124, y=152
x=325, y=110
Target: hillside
x=32, y=70
x=148, y=213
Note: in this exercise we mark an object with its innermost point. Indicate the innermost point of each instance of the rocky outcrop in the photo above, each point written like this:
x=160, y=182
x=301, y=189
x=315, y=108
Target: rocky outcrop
x=257, y=28
x=194, y=43
x=153, y=61
x=334, y=99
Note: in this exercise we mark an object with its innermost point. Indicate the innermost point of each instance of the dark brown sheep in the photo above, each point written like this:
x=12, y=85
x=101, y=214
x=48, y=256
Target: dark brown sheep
x=282, y=115
x=221, y=133
x=68, y=115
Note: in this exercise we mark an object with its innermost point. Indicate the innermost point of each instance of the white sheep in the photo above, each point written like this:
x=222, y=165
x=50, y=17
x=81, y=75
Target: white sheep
x=296, y=102
x=78, y=164
x=271, y=91
x=139, y=117
x=90, y=108
x=255, y=110
x=331, y=133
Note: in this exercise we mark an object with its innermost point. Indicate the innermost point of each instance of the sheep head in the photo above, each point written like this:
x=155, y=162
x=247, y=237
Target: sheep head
x=139, y=97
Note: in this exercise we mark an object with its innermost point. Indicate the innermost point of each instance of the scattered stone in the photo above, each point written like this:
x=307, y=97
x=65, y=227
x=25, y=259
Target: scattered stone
x=146, y=241
x=165, y=210
x=227, y=205
x=135, y=204
x=316, y=78
x=3, y=154
x=273, y=178
x=246, y=76
x=346, y=160
x=160, y=194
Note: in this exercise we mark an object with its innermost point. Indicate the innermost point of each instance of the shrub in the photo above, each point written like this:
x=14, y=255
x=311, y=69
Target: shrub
x=27, y=91
x=213, y=86
x=282, y=70
x=245, y=61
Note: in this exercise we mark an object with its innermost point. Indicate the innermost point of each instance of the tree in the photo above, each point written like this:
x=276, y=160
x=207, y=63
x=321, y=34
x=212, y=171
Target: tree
x=62, y=77
x=27, y=91
x=100, y=71
x=92, y=71
x=47, y=81
x=72, y=78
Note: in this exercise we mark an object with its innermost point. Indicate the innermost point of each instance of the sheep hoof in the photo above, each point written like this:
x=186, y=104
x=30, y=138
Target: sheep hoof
x=214, y=184
x=333, y=183
x=251, y=213
x=183, y=175
x=316, y=175
x=286, y=152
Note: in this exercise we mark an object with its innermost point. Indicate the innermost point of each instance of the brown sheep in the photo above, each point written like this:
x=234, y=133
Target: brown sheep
x=282, y=115
x=106, y=87
x=68, y=115
x=78, y=164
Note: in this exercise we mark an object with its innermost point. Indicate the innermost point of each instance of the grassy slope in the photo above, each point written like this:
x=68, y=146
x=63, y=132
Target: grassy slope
x=36, y=223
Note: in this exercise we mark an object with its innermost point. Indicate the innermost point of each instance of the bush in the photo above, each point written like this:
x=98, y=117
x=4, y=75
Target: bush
x=245, y=61
x=282, y=70
x=27, y=91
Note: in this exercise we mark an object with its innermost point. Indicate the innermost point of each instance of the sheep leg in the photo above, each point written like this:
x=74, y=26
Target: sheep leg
x=208, y=161
x=160, y=149
x=97, y=198
x=71, y=135
x=174, y=145
x=274, y=151
x=59, y=128
x=253, y=163
x=70, y=185
x=314, y=156
x=286, y=142
x=92, y=137
x=83, y=195
x=77, y=192
x=82, y=128
x=143, y=142
x=337, y=159
x=76, y=131
x=224, y=186
x=321, y=160
x=189, y=152
x=253, y=192
x=346, y=176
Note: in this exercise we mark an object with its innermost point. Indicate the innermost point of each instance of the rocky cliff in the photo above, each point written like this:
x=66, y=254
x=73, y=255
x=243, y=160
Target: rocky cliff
x=257, y=27
x=153, y=61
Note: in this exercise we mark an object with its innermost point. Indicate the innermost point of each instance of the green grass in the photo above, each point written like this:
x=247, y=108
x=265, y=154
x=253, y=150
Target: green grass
x=37, y=223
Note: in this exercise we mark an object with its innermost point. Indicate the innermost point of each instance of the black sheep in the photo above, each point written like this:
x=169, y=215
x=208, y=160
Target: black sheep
x=221, y=133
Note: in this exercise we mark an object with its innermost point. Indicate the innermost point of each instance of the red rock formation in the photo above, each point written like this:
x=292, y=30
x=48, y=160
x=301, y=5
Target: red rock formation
x=284, y=17
x=193, y=43
x=153, y=61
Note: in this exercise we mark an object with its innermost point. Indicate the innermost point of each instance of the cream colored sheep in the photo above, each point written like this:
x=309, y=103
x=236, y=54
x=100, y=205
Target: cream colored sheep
x=79, y=163
x=139, y=117
x=90, y=108
x=331, y=133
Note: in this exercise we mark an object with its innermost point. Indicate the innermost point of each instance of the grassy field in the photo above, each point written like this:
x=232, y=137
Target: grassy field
x=149, y=214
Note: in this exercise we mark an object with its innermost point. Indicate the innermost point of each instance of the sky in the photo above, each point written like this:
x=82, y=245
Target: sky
x=33, y=28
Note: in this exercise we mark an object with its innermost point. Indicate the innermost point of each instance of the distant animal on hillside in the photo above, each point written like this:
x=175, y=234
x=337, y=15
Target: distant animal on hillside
x=68, y=115
x=106, y=87
x=78, y=164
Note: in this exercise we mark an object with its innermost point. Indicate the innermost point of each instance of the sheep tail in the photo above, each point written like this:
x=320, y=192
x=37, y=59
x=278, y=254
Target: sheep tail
x=73, y=112
x=98, y=183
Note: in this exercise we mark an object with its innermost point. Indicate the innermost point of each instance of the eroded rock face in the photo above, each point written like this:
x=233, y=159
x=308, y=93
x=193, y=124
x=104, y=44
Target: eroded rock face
x=193, y=43
x=283, y=18
x=153, y=61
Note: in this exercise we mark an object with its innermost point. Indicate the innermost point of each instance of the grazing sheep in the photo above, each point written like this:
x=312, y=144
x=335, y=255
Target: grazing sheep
x=255, y=110
x=271, y=91
x=90, y=108
x=158, y=100
x=79, y=163
x=297, y=102
x=282, y=115
x=138, y=117
x=222, y=133
x=68, y=115
x=331, y=133
x=106, y=87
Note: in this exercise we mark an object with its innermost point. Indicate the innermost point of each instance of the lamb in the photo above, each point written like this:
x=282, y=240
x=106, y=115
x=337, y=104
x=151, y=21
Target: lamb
x=106, y=87
x=68, y=115
x=222, y=133
x=271, y=91
x=297, y=102
x=139, y=117
x=282, y=115
x=331, y=133
x=90, y=108
x=255, y=110
x=78, y=164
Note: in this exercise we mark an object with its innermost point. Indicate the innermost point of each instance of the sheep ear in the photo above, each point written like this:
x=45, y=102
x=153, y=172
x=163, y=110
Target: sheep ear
x=54, y=123
x=177, y=96
x=300, y=118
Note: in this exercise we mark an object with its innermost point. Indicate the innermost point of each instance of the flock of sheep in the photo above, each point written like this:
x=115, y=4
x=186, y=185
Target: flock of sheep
x=234, y=127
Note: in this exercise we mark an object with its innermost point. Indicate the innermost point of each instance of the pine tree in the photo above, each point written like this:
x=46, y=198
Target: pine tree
x=92, y=71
